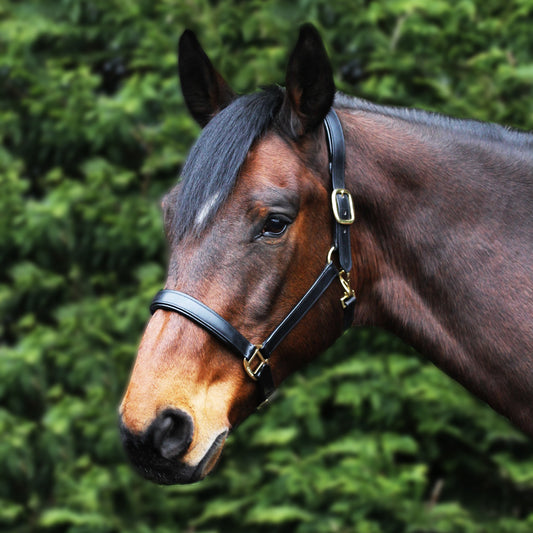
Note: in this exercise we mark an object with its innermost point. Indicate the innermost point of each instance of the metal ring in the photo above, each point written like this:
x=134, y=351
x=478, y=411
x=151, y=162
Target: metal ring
x=330, y=254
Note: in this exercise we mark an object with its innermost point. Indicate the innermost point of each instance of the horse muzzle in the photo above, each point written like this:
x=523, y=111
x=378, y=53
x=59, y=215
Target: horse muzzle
x=159, y=453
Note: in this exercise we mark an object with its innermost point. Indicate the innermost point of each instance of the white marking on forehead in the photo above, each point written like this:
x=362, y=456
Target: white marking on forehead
x=205, y=210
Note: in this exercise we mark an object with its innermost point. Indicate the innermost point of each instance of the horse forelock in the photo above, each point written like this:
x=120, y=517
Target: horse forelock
x=214, y=162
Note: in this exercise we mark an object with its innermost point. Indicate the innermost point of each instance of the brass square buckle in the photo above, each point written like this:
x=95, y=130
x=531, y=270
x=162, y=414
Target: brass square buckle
x=250, y=363
x=345, y=217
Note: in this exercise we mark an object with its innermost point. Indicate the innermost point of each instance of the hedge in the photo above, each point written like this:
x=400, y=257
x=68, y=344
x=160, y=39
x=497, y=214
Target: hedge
x=93, y=129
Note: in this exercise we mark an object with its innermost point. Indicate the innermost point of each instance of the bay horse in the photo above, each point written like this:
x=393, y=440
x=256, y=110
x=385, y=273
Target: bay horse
x=283, y=229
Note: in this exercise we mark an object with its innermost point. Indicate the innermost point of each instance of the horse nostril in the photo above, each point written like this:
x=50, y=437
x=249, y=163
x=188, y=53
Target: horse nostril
x=172, y=433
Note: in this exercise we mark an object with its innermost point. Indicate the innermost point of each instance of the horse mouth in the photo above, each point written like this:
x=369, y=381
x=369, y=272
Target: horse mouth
x=210, y=458
x=153, y=467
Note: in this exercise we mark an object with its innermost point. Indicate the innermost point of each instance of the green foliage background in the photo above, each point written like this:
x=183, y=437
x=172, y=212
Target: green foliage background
x=93, y=130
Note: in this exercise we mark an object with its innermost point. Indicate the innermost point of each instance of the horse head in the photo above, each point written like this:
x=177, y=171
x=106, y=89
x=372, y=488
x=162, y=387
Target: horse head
x=249, y=226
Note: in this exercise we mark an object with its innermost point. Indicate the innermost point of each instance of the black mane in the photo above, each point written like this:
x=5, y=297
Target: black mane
x=213, y=164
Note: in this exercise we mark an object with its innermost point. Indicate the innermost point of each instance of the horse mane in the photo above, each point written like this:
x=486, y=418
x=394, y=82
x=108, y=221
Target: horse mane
x=214, y=162
x=487, y=131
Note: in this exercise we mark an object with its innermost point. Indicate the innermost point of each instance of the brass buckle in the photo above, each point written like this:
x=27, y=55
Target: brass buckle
x=252, y=372
x=351, y=215
x=346, y=285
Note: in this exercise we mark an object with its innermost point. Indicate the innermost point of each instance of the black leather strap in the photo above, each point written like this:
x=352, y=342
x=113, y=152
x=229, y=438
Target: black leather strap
x=205, y=317
x=343, y=208
x=336, y=146
x=309, y=299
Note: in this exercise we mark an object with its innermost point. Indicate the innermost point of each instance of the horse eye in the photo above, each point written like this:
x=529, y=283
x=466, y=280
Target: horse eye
x=275, y=226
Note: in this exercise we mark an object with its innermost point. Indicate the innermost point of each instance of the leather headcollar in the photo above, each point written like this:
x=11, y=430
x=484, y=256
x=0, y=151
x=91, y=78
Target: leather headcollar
x=256, y=357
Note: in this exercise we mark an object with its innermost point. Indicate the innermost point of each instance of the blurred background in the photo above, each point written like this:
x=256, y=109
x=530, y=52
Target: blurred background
x=93, y=130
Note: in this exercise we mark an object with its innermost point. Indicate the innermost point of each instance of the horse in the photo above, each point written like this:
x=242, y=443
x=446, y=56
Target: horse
x=301, y=211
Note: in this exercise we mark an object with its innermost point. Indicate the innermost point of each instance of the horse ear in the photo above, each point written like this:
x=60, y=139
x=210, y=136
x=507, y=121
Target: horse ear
x=205, y=91
x=310, y=88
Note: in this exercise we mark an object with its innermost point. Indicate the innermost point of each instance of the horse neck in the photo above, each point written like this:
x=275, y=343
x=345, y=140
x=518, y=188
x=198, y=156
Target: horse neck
x=441, y=250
